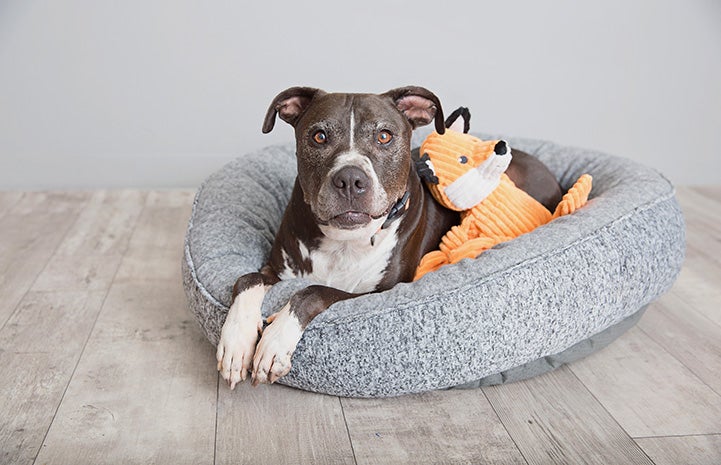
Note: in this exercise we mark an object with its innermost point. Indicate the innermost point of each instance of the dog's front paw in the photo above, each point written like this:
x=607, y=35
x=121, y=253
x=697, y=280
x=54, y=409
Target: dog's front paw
x=238, y=339
x=276, y=347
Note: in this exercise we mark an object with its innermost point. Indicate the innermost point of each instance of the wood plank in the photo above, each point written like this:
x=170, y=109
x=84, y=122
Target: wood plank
x=105, y=224
x=164, y=220
x=28, y=398
x=554, y=419
x=647, y=390
x=684, y=450
x=704, y=211
x=710, y=191
x=29, y=234
x=39, y=348
x=145, y=388
x=277, y=424
x=49, y=202
x=703, y=225
x=699, y=283
x=136, y=264
x=90, y=252
x=8, y=199
x=174, y=198
x=699, y=288
x=457, y=426
x=80, y=272
x=689, y=336
x=53, y=320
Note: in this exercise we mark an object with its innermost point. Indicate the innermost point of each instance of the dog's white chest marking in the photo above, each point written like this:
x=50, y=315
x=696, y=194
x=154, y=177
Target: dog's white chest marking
x=349, y=265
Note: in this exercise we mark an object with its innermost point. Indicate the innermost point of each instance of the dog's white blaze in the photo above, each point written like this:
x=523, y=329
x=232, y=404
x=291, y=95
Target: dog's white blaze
x=352, y=128
x=353, y=265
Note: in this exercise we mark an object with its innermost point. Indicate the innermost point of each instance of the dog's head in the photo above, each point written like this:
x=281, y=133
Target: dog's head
x=353, y=151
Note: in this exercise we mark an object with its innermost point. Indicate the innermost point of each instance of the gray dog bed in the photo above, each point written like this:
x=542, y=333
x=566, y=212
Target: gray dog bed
x=523, y=308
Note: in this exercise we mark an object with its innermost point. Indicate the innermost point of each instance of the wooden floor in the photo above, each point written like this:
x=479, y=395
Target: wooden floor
x=101, y=362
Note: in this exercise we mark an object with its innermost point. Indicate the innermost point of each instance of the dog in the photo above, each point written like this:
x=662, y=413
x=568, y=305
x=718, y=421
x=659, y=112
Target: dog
x=359, y=218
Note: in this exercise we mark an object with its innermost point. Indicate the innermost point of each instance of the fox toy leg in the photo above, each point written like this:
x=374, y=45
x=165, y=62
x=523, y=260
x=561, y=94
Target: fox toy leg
x=430, y=262
x=576, y=197
x=474, y=247
x=455, y=246
x=453, y=239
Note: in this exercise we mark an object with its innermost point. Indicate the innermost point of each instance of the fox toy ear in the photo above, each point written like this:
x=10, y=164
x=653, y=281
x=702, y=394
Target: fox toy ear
x=459, y=120
x=290, y=106
x=419, y=105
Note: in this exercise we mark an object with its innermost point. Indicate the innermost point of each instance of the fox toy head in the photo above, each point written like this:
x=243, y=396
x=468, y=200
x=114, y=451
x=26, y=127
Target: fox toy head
x=459, y=169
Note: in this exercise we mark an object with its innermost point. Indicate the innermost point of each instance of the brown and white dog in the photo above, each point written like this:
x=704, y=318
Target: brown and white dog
x=359, y=219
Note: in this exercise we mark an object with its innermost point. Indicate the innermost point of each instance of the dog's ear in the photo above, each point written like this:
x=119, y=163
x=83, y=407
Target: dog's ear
x=289, y=105
x=420, y=106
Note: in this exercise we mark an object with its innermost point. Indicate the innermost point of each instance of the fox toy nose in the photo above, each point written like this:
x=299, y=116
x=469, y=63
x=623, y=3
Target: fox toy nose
x=352, y=182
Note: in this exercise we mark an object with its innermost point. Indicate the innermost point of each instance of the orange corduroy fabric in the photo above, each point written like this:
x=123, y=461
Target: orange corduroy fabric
x=507, y=212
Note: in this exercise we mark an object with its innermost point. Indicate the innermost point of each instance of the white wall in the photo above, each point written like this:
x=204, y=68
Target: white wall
x=161, y=93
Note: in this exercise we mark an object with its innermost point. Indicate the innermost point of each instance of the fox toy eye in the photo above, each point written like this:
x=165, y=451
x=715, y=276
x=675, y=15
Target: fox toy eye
x=320, y=137
x=463, y=159
x=384, y=137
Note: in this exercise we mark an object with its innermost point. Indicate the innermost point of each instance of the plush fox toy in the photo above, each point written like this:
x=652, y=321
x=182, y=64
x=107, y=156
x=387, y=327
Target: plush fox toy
x=467, y=174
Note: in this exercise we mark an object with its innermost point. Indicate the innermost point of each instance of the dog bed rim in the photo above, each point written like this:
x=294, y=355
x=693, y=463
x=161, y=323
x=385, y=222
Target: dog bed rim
x=460, y=287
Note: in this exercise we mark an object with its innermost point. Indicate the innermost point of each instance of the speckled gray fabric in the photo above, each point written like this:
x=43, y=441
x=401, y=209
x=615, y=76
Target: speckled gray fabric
x=522, y=308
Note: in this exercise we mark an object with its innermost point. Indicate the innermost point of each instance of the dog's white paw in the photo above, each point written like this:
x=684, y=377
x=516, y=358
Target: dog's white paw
x=235, y=351
x=239, y=336
x=276, y=347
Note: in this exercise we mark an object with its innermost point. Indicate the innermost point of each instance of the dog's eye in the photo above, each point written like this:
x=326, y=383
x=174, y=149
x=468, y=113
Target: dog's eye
x=463, y=159
x=320, y=137
x=384, y=137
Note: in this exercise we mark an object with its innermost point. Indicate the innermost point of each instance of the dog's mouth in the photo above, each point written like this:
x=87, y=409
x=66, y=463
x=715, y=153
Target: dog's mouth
x=350, y=220
x=353, y=219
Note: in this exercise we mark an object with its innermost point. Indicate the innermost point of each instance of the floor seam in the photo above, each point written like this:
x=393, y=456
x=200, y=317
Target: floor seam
x=47, y=262
x=347, y=429
x=610, y=415
x=493, y=407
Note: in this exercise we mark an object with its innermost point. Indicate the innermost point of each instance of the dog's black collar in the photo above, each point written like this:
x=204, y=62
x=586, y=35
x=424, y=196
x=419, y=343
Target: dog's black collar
x=394, y=213
x=397, y=210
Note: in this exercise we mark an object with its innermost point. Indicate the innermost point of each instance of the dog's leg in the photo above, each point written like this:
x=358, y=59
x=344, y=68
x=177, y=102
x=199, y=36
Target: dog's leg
x=274, y=351
x=242, y=326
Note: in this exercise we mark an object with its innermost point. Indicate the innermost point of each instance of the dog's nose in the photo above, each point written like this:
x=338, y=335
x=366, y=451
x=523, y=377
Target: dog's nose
x=351, y=181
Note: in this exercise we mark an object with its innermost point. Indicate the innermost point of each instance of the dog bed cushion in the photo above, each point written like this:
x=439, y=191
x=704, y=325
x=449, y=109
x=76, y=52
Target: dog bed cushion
x=522, y=308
